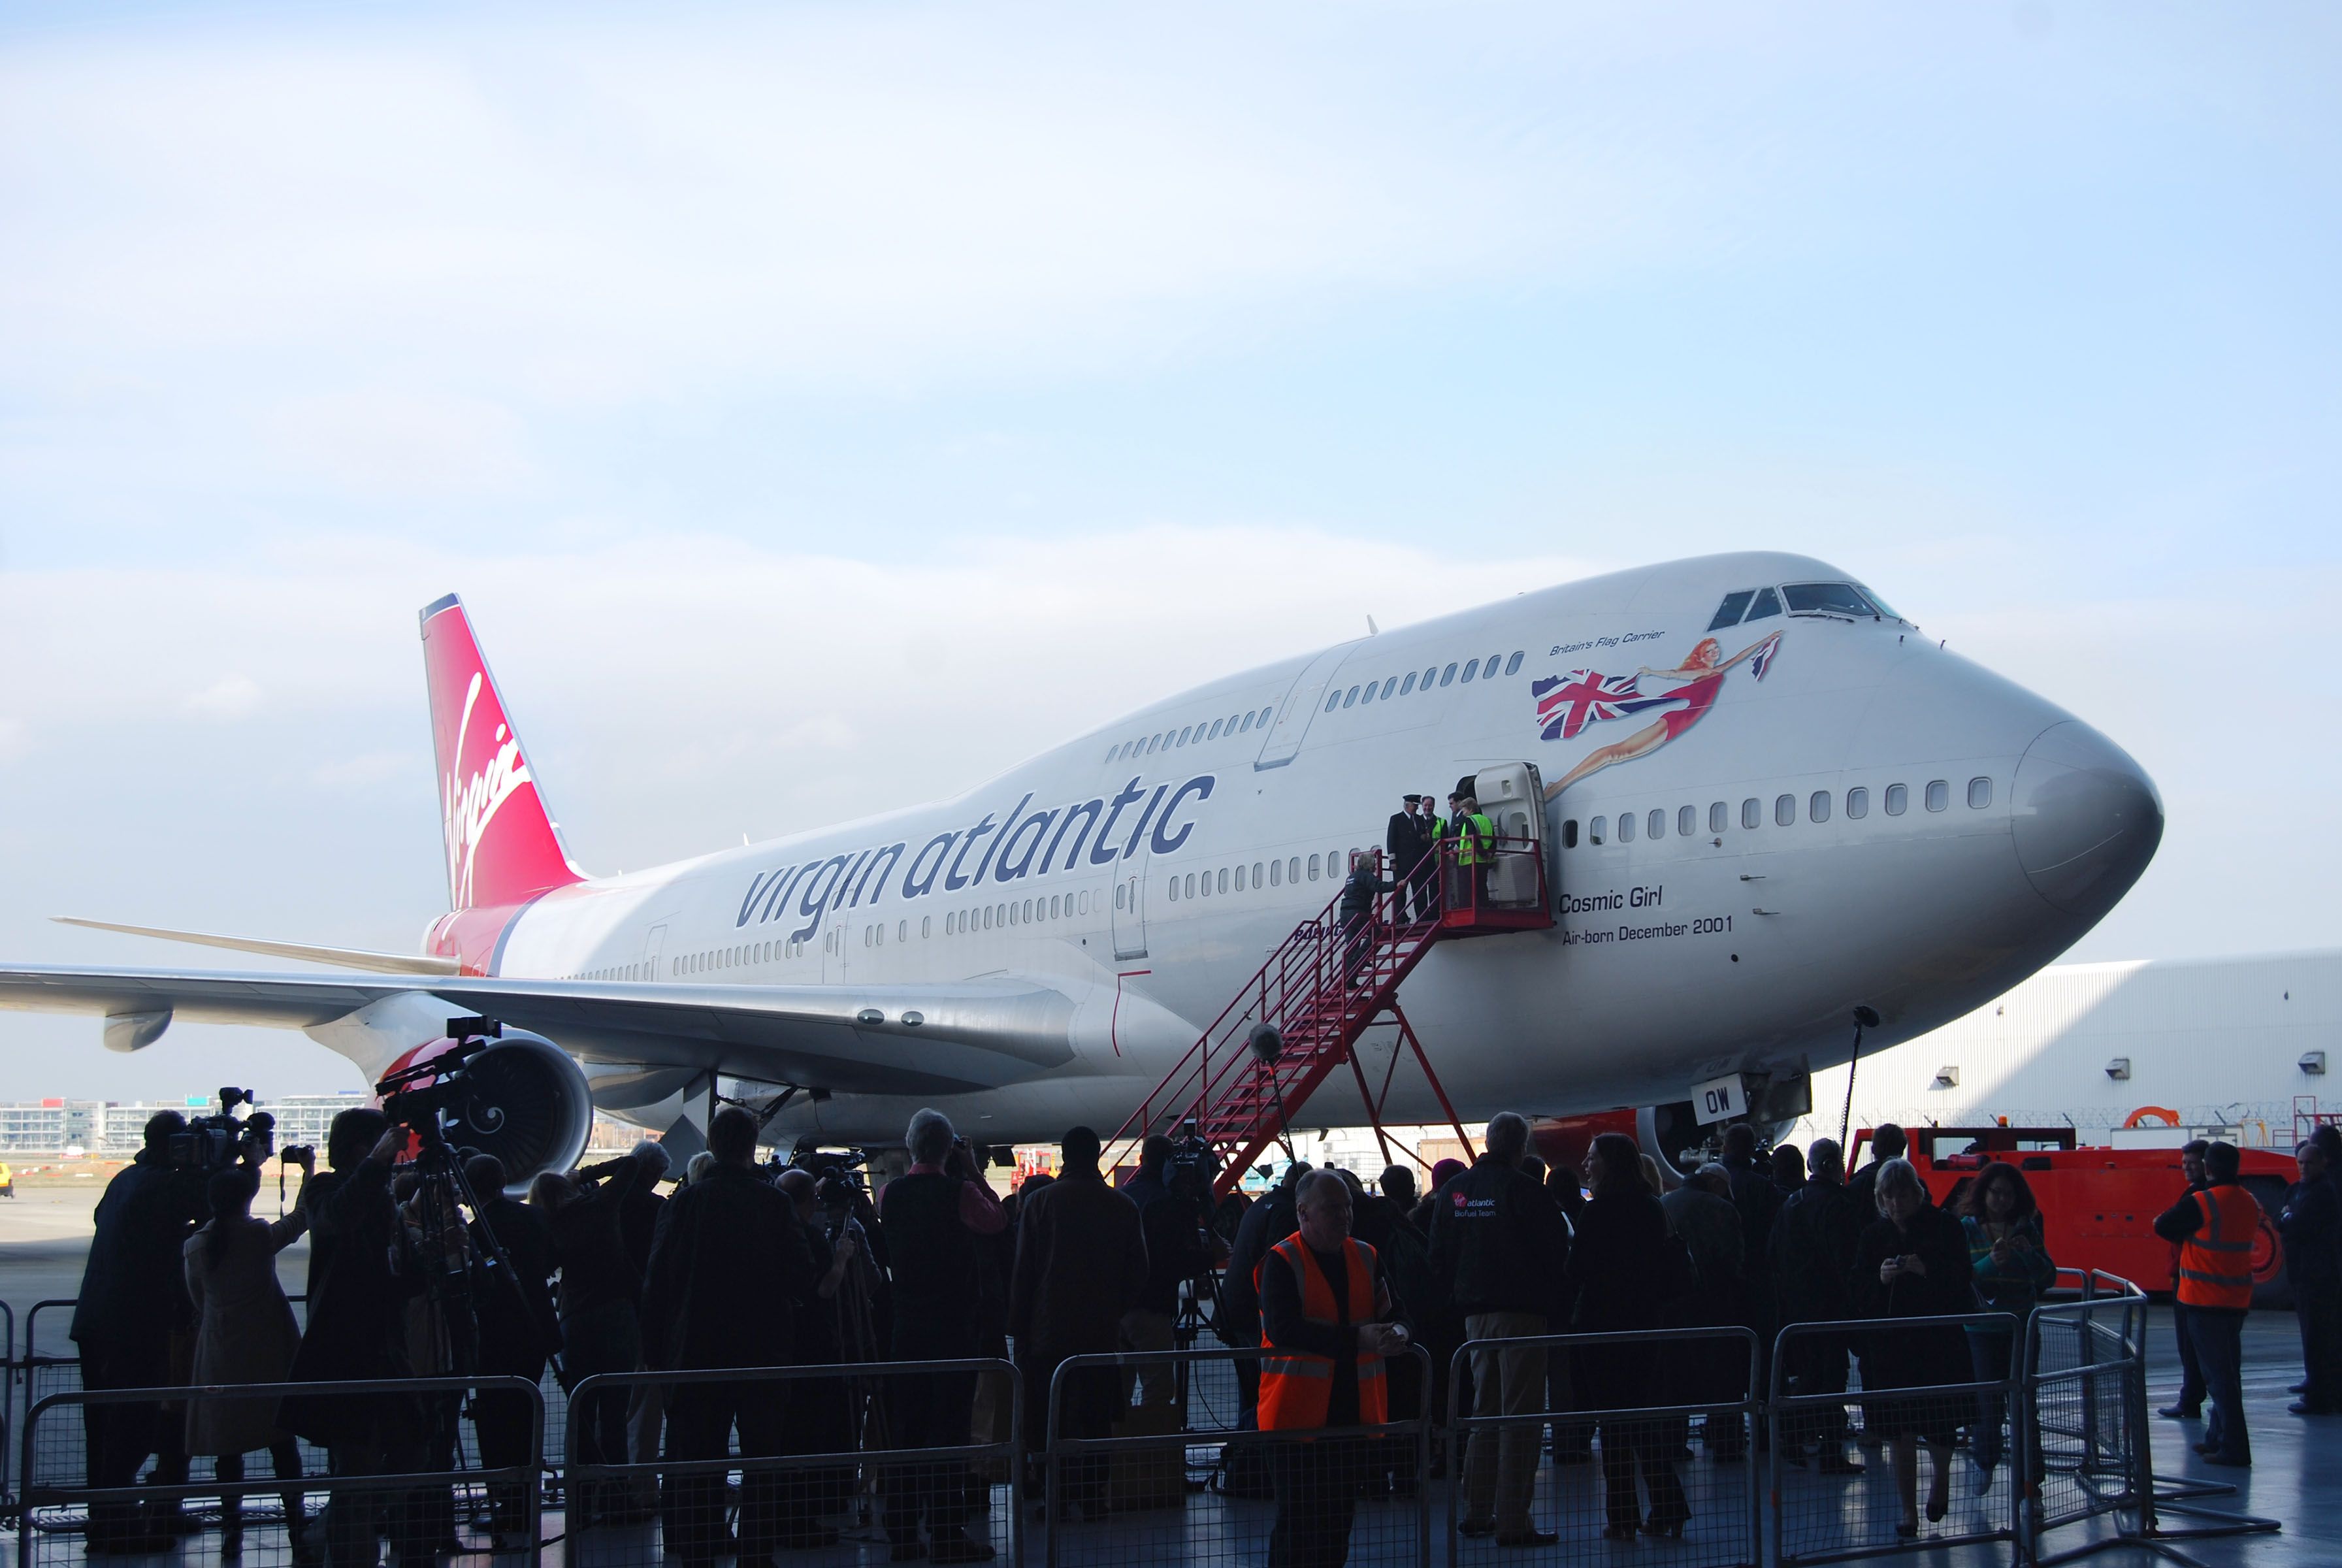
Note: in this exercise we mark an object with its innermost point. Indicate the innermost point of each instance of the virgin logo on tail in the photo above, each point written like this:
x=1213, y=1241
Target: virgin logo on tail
x=502, y=846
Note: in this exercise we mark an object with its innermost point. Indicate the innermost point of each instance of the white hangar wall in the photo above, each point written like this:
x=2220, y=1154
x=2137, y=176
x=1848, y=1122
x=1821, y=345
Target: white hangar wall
x=2218, y=1040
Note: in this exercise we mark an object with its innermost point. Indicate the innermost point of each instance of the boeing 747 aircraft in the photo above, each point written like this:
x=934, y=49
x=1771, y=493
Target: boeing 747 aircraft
x=1762, y=799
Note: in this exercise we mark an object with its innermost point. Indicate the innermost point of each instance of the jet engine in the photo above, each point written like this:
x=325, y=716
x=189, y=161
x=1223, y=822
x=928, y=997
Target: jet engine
x=520, y=1097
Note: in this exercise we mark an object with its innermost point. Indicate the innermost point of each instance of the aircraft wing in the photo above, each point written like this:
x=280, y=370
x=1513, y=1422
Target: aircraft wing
x=947, y=1038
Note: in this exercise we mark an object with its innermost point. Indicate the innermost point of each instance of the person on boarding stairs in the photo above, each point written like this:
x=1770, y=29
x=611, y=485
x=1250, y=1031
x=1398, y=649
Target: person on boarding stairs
x=1356, y=914
x=2013, y=1269
x=1322, y=1299
x=1913, y=1261
x=1408, y=843
x=2214, y=1230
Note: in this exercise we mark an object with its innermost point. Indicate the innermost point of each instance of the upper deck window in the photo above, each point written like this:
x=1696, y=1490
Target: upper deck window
x=1735, y=606
x=1830, y=599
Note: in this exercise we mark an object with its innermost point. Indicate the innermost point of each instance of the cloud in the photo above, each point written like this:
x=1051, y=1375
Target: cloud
x=233, y=697
x=401, y=443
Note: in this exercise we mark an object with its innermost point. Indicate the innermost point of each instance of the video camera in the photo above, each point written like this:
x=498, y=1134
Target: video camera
x=418, y=1109
x=1191, y=1158
x=216, y=1142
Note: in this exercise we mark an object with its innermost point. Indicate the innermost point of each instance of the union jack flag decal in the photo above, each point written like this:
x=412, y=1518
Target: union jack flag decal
x=1567, y=704
x=1762, y=659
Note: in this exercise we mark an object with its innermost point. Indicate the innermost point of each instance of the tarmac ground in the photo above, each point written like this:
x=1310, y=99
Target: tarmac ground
x=2297, y=1476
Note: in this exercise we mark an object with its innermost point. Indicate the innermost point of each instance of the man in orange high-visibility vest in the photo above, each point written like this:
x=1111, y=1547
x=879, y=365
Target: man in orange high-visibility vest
x=1321, y=1293
x=2214, y=1229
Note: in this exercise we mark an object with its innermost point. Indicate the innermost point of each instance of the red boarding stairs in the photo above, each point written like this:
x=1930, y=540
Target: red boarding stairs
x=1319, y=991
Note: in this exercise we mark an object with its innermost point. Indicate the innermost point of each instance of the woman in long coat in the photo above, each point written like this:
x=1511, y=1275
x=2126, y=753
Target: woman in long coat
x=245, y=1332
x=1913, y=1261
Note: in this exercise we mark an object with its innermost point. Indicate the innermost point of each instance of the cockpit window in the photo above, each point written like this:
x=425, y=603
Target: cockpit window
x=1828, y=599
x=1728, y=612
x=1768, y=603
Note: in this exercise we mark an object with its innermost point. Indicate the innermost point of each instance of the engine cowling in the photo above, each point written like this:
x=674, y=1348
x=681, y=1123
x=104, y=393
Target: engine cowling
x=522, y=1098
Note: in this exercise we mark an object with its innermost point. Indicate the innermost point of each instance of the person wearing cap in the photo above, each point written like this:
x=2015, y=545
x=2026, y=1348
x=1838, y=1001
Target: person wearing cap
x=1407, y=841
x=1475, y=850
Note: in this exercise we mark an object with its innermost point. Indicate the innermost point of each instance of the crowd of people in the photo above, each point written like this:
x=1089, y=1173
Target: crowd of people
x=1333, y=1279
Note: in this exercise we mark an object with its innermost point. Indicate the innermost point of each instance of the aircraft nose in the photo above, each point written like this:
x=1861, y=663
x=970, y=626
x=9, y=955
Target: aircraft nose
x=2087, y=819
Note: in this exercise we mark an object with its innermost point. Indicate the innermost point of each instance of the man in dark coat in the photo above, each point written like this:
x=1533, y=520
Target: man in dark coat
x=1407, y=842
x=729, y=1272
x=1700, y=1212
x=134, y=1298
x=936, y=1216
x=1499, y=1241
x=1758, y=1200
x=1081, y=1261
x=2311, y=1226
x=1356, y=913
x=362, y=1273
x=517, y=1327
x=1812, y=1260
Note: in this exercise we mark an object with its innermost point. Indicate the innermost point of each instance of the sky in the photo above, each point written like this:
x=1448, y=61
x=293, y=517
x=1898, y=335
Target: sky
x=821, y=407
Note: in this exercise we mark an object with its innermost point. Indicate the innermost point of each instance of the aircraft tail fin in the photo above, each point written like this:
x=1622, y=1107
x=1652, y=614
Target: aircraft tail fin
x=503, y=844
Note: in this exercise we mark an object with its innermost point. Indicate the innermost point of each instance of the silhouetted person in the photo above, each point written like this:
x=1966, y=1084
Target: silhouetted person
x=518, y=1325
x=1081, y=1261
x=2312, y=1231
x=1700, y=1212
x=601, y=1324
x=1500, y=1243
x=2214, y=1230
x=729, y=1273
x=1789, y=1169
x=1816, y=1237
x=934, y=1217
x=1888, y=1142
x=1618, y=1280
x=132, y=1299
x=1356, y=913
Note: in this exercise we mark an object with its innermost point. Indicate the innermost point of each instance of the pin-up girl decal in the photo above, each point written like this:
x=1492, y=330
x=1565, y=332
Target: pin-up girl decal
x=1569, y=702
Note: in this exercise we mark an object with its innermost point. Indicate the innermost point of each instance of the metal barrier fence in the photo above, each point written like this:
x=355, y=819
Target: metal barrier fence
x=395, y=1476
x=1180, y=1478
x=1909, y=1397
x=847, y=1456
x=1620, y=1407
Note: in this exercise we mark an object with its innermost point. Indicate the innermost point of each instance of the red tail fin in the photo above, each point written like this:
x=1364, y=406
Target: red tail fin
x=503, y=847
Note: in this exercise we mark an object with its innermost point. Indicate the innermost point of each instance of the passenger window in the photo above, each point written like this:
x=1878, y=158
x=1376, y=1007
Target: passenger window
x=1255, y=875
x=1370, y=692
x=1655, y=824
x=1240, y=880
x=1489, y=665
x=1275, y=874
x=1026, y=918
x=1054, y=911
x=1312, y=868
x=1293, y=869
x=1223, y=880
x=1352, y=697
x=1428, y=675
x=1595, y=828
x=1333, y=701
x=1752, y=813
x=1785, y=810
x=1109, y=753
x=1980, y=793
x=1247, y=723
x=1117, y=895
x=1153, y=741
x=1448, y=674
x=1172, y=891
x=1215, y=729
x=1409, y=686
x=1857, y=803
x=1818, y=807
x=1513, y=665
x=1569, y=834
x=1625, y=827
x=1729, y=613
x=926, y=926
x=1266, y=713
x=1232, y=722
x=1767, y=602
x=1184, y=733
x=1191, y=884
x=1469, y=666
x=1717, y=817
x=902, y=930
x=1897, y=800
x=1939, y=794
x=1389, y=687
x=1687, y=821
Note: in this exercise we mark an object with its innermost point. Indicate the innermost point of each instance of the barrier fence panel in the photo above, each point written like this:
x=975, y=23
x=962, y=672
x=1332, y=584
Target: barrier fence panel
x=1180, y=1477
x=7, y=1410
x=1589, y=1417
x=830, y=1460
x=395, y=1479
x=1924, y=1383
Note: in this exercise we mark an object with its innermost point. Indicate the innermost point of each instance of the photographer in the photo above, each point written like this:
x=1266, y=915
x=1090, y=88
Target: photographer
x=835, y=1322
x=133, y=1303
x=599, y=1292
x=932, y=1216
x=361, y=1274
x=1171, y=1218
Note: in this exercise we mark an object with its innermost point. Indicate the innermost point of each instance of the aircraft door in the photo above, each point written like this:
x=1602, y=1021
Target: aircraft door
x=1291, y=724
x=1512, y=797
x=654, y=953
x=834, y=930
x=1130, y=909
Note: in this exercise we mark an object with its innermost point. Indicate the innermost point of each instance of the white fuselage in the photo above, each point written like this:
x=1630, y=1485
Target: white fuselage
x=1678, y=956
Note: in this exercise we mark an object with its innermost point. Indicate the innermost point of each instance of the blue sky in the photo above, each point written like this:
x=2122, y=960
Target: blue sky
x=824, y=405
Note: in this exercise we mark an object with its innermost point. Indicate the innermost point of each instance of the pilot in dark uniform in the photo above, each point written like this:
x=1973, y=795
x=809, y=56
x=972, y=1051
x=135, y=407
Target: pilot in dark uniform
x=1407, y=841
